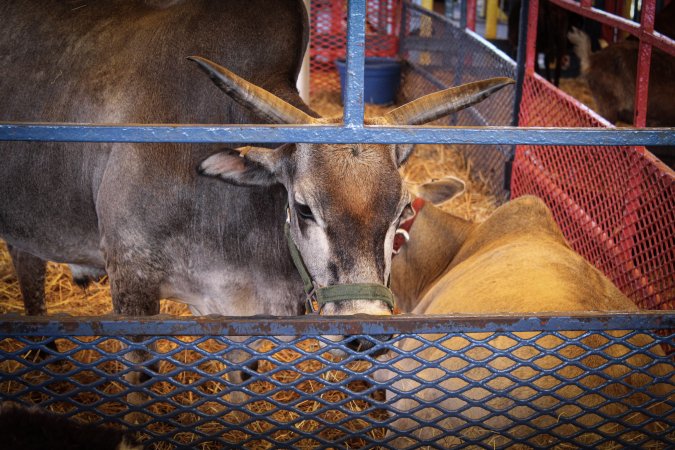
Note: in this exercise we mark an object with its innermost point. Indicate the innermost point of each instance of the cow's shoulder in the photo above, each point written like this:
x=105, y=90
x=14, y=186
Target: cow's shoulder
x=526, y=219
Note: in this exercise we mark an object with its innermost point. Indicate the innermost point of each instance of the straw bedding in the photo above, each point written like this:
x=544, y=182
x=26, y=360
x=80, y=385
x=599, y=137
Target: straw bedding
x=428, y=162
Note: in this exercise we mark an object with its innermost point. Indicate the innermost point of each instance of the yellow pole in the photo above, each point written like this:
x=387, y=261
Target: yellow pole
x=425, y=25
x=491, y=19
x=627, y=13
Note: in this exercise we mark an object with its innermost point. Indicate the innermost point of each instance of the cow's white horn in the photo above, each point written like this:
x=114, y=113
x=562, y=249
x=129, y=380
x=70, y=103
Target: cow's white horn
x=434, y=106
x=264, y=103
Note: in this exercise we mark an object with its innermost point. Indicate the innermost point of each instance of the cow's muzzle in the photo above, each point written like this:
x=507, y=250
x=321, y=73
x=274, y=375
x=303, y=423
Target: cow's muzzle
x=318, y=296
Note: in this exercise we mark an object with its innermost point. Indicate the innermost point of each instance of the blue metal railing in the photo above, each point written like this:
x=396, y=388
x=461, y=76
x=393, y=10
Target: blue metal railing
x=336, y=134
x=328, y=325
x=353, y=129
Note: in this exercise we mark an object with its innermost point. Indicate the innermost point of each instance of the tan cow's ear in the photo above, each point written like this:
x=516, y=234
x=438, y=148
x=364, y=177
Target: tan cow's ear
x=440, y=191
x=245, y=166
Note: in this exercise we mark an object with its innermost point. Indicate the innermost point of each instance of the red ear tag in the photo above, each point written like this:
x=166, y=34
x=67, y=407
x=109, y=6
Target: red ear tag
x=402, y=232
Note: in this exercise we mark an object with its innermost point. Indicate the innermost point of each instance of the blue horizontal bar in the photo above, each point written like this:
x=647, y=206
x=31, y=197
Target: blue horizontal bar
x=15, y=325
x=70, y=132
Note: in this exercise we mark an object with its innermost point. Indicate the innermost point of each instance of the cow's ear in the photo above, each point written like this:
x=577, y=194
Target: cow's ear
x=246, y=166
x=439, y=191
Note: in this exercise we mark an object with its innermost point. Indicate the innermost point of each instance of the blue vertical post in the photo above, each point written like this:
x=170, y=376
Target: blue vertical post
x=449, y=7
x=356, y=49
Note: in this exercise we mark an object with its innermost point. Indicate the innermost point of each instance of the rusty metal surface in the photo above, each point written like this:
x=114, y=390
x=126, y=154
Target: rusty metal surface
x=325, y=325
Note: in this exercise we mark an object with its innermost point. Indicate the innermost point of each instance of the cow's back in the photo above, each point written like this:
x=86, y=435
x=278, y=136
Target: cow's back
x=125, y=62
x=518, y=261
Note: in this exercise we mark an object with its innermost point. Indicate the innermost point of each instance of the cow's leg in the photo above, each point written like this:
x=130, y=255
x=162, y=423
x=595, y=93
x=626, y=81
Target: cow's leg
x=135, y=295
x=30, y=270
x=31, y=273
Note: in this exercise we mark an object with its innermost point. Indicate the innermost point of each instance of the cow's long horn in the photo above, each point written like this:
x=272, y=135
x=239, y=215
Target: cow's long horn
x=264, y=103
x=433, y=106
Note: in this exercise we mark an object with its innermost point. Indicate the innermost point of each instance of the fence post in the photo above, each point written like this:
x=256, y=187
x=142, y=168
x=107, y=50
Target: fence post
x=354, y=73
x=644, y=60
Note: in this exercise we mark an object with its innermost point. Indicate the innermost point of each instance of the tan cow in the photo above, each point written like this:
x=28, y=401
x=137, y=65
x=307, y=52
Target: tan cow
x=515, y=261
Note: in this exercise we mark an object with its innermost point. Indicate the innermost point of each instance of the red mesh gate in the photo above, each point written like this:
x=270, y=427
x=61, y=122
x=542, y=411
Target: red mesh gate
x=615, y=205
x=328, y=36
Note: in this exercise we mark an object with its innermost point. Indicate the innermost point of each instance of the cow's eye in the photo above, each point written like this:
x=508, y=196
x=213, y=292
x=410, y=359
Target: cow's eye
x=304, y=211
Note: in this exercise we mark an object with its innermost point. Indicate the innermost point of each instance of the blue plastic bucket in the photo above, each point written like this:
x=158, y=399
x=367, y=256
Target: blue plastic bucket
x=381, y=79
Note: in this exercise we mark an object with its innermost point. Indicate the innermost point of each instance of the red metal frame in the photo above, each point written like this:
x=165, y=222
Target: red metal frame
x=531, y=52
x=644, y=58
x=471, y=14
x=651, y=37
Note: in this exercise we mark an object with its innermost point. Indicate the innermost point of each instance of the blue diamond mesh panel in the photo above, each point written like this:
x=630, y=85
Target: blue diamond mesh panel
x=489, y=389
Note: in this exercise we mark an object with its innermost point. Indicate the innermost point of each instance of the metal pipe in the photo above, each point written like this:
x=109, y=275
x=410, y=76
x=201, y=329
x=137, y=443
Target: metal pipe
x=330, y=325
x=531, y=53
x=643, y=64
x=491, y=18
x=523, y=37
x=61, y=132
x=356, y=48
x=471, y=15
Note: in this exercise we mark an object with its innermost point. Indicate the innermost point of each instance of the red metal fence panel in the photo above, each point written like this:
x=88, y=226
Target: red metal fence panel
x=328, y=38
x=615, y=205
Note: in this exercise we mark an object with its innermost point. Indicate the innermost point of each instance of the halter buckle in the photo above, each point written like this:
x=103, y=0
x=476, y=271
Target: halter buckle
x=311, y=303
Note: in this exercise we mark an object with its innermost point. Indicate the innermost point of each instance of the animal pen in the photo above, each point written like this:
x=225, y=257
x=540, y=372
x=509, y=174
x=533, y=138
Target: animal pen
x=522, y=381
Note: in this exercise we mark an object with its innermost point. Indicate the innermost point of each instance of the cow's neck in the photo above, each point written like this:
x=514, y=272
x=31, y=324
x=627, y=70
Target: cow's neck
x=435, y=239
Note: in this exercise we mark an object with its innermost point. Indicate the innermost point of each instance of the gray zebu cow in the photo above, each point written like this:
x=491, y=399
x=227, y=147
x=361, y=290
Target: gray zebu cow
x=516, y=261
x=141, y=212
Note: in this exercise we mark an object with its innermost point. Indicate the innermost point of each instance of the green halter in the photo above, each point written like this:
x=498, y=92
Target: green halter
x=334, y=293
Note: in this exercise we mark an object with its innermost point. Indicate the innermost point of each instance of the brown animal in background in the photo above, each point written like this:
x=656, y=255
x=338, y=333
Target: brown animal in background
x=611, y=74
x=517, y=261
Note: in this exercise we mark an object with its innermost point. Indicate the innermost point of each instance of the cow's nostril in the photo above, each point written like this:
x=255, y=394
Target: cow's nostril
x=366, y=343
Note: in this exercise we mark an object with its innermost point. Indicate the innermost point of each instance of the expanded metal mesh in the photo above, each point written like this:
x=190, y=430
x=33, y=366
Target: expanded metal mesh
x=440, y=55
x=328, y=37
x=601, y=389
x=615, y=205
